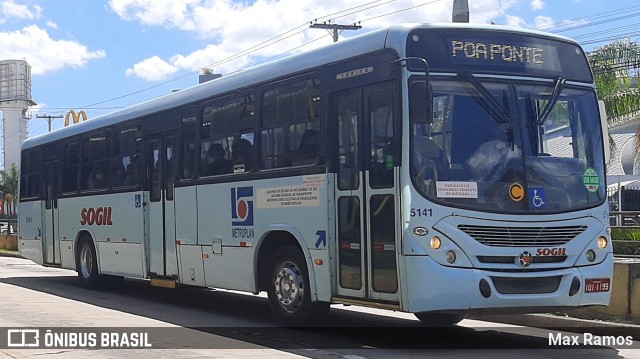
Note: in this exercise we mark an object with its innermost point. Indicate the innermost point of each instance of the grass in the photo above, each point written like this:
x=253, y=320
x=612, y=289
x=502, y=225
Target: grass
x=2, y=250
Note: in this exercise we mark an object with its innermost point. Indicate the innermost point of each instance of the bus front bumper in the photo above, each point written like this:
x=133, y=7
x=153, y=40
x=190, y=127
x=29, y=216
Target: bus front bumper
x=434, y=287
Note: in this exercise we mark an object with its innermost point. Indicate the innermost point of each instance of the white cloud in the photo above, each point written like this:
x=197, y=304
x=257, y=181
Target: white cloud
x=52, y=24
x=43, y=53
x=9, y=9
x=516, y=21
x=232, y=26
x=544, y=22
x=152, y=69
x=537, y=5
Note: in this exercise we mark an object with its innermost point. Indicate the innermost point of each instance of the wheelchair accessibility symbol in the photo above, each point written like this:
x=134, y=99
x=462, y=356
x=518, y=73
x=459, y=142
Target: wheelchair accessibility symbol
x=537, y=199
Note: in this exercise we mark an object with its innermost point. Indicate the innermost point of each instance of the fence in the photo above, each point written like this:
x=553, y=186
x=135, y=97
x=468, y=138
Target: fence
x=623, y=194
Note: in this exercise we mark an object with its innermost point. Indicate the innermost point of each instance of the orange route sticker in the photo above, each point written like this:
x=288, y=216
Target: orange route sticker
x=516, y=192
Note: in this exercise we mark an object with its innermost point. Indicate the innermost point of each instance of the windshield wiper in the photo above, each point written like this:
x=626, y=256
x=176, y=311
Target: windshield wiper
x=489, y=103
x=553, y=98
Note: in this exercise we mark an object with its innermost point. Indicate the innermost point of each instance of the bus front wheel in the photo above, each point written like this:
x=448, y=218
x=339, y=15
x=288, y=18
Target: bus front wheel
x=87, y=264
x=438, y=319
x=289, y=290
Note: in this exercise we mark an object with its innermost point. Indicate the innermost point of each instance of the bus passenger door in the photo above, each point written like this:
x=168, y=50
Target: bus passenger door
x=51, y=223
x=163, y=261
x=366, y=192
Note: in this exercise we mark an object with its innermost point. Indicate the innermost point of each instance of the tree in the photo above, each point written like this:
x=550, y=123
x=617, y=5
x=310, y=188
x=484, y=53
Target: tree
x=9, y=186
x=616, y=69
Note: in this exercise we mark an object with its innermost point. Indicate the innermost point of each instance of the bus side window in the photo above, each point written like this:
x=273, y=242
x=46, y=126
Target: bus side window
x=70, y=167
x=125, y=164
x=188, y=143
x=291, y=124
x=231, y=146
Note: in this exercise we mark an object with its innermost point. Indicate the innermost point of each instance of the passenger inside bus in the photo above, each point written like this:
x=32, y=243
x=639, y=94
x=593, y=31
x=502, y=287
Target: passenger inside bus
x=132, y=174
x=308, y=149
x=96, y=178
x=241, y=153
x=117, y=173
x=218, y=164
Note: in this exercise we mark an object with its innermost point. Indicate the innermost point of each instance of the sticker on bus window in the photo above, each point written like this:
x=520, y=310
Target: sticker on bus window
x=537, y=198
x=453, y=189
x=516, y=192
x=591, y=180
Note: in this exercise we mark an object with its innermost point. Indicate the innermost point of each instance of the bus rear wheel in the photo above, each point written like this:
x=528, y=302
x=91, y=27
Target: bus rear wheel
x=87, y=264
x=438, y=319
x=289, y=291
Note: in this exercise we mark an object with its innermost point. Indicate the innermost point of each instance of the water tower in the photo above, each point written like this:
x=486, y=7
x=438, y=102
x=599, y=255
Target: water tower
x=15, y=99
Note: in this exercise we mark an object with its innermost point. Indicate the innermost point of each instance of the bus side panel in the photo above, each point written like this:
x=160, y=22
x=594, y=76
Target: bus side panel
x=186, y=215
x=234, y=260
x=124, y=259
x=30, y=231
x=229, y=247
x=110, y=218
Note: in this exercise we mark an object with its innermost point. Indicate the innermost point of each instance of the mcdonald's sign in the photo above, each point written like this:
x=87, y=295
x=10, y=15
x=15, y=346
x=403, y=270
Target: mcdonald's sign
x=75, y=116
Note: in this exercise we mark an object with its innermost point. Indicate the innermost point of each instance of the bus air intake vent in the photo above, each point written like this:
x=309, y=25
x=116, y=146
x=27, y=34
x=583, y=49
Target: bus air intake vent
x=540, y=285
x=522, y=236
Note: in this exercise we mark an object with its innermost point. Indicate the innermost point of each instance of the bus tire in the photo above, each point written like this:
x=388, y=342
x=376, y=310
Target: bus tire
x=289, y=290
x=87, y=264
x=432, y=319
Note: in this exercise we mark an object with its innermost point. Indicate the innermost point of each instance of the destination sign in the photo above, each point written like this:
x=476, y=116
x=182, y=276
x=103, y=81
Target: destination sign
x=498, y=52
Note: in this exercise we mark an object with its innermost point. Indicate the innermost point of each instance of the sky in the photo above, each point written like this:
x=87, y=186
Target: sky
x=99, y=56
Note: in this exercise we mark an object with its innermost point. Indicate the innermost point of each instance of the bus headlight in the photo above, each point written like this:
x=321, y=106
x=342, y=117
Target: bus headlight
x=436, y=242
x=450, y=257
x=603, y=242
x=591, y=255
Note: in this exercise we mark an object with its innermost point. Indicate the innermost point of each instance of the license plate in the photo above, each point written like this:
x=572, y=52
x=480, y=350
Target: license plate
x=595, y=285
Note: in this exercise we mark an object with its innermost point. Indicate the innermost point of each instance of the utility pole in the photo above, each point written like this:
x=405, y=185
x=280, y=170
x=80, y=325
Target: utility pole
x=49, y=118
x=334, y=28
x=460, y=11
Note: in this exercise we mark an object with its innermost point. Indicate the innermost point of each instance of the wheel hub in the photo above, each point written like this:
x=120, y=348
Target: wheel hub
x=289, y=286
x=86, y=261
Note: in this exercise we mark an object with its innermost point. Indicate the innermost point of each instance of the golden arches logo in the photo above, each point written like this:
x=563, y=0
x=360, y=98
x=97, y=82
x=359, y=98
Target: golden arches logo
x=75, y=117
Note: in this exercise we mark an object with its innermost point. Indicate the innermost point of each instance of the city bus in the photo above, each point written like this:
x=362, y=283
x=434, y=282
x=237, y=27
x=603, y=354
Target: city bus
x=435, y=169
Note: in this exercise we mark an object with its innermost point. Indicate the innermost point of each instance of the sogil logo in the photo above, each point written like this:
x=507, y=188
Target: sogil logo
x=242, y=206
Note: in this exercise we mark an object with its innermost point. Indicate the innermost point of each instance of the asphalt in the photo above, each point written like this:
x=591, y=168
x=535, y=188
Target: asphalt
x=545, y=321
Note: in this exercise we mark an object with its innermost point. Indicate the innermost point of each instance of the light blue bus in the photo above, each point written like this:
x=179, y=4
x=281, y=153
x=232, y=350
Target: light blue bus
x=436, y=169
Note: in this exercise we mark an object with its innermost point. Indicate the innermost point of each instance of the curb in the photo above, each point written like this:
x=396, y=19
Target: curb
x=561, y=323
x=7, y=254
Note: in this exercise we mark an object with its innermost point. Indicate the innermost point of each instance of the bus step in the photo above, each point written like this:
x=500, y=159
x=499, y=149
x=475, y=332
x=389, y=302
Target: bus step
x=164, y=283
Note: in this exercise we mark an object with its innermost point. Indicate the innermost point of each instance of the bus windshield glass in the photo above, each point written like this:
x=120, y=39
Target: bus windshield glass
x=507, y=147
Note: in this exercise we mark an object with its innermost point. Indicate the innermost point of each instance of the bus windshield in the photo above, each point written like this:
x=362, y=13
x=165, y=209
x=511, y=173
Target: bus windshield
x=508, y=146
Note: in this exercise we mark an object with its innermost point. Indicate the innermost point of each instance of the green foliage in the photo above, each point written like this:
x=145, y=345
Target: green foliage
x=626, y=247
x=9, y=180
x=613, y=65
x=625, y=234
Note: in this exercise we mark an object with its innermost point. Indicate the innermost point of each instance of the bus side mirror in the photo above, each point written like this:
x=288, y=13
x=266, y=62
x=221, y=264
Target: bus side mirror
x=605, y=131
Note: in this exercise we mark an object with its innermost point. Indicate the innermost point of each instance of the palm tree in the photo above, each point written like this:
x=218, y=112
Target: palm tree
x=9, y=186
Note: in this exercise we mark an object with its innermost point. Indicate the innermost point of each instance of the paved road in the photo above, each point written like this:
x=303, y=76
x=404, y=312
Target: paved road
x=232, y=325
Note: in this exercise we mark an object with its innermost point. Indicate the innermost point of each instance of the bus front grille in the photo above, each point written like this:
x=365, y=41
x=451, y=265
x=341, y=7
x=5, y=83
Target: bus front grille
x=514, y=259
x=513, y=285
x=522, y=236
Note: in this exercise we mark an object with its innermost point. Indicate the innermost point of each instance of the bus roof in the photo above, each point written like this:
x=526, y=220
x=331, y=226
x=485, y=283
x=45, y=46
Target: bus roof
x=393, y=37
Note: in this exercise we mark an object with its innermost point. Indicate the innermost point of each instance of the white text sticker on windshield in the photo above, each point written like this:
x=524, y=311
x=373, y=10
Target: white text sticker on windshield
x=451, y=189
x=591, y=180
